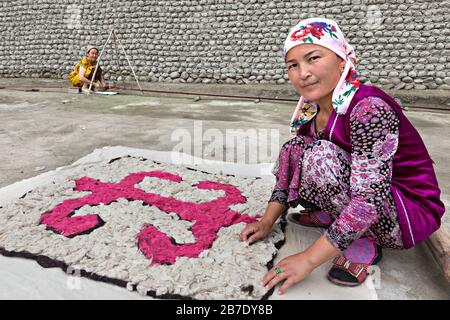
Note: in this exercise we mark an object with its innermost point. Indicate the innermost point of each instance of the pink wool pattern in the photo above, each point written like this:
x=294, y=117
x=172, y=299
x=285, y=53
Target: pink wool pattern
x=208, y=217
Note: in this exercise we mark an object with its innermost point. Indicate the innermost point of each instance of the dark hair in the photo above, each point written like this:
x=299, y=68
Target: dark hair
x=91, y=50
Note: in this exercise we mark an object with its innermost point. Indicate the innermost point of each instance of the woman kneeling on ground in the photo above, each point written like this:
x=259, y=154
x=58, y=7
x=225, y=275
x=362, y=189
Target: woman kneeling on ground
x=356, y=164
x=81, y=75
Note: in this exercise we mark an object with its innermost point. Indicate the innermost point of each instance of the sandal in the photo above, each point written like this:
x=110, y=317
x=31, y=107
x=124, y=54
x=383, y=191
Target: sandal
x=351, y=274
x=346, y=273
x=310, y=218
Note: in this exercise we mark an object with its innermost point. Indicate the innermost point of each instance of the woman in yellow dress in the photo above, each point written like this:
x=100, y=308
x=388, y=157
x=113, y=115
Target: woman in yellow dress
x=81, y=75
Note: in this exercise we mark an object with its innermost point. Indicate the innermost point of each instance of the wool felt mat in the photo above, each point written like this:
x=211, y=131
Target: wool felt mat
x=162, y=230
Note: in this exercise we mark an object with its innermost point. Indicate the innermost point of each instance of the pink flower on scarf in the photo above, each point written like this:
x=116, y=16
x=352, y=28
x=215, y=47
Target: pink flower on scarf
x=353, y=78
x=315, y=29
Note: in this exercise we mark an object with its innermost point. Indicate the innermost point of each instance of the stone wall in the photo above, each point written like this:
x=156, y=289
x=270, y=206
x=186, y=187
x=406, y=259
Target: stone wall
x=400, y=44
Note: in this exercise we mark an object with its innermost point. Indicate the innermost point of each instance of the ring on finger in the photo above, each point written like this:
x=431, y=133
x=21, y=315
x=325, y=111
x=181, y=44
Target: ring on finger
x=278, y=270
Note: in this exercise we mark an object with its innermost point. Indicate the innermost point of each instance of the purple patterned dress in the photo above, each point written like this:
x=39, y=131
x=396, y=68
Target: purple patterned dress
x=354, y=189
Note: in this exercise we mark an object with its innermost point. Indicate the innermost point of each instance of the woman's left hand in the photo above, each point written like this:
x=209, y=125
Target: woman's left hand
x=293, y=269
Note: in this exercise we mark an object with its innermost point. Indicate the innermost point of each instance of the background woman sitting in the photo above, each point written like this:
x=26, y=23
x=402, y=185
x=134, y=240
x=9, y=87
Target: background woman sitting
x=81, y=75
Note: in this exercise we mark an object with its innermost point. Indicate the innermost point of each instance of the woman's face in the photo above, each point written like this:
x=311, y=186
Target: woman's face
x=314, y=71
x=92, y=55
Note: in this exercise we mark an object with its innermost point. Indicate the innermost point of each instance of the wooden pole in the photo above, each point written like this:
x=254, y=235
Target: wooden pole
x=129, y=63
x=98, y=61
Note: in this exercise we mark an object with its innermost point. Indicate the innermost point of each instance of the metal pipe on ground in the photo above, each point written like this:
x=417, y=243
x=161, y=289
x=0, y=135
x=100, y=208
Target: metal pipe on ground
x=254, y=98
x=407, y=106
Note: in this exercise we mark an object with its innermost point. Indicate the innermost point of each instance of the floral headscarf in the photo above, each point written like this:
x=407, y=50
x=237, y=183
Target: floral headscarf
x=324, y=32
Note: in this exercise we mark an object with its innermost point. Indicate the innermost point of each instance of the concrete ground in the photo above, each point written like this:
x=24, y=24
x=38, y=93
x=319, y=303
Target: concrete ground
x=51, y=128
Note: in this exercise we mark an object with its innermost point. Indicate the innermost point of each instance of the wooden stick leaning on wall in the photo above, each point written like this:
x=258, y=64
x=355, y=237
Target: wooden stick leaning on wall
x=98, y=61
x=126, y=56
x=129, y=63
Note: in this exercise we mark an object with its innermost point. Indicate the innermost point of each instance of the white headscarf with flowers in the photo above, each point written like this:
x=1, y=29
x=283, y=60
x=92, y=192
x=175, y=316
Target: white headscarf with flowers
x=324, y=32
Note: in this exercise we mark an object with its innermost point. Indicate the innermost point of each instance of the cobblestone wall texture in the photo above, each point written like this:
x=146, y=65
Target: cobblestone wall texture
x=400, y=44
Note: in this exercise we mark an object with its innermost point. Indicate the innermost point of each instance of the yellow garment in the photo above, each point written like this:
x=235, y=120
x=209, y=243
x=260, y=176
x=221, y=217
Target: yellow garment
x=74, y=76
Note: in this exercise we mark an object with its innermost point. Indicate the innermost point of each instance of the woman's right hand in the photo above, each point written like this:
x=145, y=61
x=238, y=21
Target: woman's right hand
x=255, y=231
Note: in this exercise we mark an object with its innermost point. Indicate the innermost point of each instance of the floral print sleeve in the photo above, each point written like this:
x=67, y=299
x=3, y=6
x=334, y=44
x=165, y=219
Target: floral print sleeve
x=374, y=129
x=287, y=171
